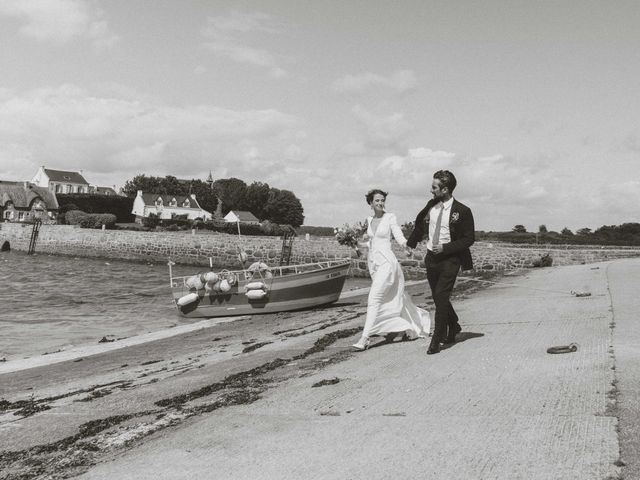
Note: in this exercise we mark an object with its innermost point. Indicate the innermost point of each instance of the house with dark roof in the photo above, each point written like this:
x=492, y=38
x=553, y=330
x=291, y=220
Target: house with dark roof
x=240, y=216
x=60, y=181
x=26, y=202
x=103, y=190
x=168, y=206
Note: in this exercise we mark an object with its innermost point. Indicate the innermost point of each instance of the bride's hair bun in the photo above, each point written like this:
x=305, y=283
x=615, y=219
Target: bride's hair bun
x=371, y=193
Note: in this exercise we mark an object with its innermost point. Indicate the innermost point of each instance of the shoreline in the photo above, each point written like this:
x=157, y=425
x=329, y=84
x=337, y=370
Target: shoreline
x=76, y=351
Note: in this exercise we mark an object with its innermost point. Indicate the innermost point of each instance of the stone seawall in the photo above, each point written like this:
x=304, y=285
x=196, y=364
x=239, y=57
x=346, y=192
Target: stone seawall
x=196, y=249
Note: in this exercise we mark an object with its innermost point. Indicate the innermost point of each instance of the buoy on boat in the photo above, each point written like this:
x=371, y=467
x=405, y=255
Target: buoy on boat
x=258, y=266
x=255, y=286
x=211, y=277
x=187, y=299
x=194, y=282
x=255, y=290
x=224, y=285
x=231, y=278
x=256, y=294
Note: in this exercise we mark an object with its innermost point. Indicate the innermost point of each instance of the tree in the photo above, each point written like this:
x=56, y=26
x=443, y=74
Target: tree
x=205, y=195
x=141, y=182
x=542, y=229
x=584, y=231
x=255, y=199
x=566, y=231
x=231, y=192
x=519, y=229
x=284, y=207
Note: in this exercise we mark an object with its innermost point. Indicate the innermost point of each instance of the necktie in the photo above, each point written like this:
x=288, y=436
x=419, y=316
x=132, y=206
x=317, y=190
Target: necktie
x=436, y=232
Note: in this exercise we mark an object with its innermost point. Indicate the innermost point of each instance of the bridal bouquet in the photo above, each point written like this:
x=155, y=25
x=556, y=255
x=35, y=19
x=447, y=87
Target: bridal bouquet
x=350, y=235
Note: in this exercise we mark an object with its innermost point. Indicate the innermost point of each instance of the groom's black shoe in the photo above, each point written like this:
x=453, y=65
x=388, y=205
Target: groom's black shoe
x=453, y=331
x=434, y=347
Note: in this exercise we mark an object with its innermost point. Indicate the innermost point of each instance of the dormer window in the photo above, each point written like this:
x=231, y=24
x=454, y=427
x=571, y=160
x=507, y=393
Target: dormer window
x=173, y=202
x=159, y=202
x=186, y=203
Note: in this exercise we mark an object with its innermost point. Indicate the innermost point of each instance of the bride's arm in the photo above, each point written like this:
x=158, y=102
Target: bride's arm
x=396, y=230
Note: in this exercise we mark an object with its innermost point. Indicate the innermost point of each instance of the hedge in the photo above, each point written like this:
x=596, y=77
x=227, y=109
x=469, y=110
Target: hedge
x=92, y=203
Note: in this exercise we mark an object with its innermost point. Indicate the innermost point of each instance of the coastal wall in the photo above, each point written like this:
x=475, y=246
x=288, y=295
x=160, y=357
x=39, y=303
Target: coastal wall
x=195, y=248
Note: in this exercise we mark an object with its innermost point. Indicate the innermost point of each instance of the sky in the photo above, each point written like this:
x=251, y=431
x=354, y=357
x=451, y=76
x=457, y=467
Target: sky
x=534, y=106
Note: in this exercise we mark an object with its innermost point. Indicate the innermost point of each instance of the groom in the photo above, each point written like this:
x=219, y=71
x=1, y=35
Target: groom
x=449, y=226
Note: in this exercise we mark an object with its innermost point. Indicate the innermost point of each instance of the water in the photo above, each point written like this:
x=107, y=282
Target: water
x=50, y=303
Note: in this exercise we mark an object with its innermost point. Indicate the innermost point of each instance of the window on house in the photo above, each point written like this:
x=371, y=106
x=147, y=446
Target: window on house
x=186, y=203
x=69, y=189
x=21, y=216
x=80, y=190
x=58, y=189
x=173, y=202
x=159, y=201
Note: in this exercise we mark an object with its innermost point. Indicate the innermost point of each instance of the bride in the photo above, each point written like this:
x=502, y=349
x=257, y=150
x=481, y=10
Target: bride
x=390, y=309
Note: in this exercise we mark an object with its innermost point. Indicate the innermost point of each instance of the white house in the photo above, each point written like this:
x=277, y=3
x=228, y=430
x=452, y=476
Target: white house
x=239, y=216
x=167, y=206
x=60, y=181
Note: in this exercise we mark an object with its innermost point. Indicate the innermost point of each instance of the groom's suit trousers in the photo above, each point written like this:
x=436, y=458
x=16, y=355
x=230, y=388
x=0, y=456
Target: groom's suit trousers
x=442, y=272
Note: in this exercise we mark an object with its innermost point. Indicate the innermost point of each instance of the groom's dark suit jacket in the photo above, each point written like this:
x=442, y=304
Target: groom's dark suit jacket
x=461, y=228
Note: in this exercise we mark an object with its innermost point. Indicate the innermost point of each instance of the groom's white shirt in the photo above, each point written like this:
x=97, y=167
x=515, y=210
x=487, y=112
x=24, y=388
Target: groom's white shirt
x=445, y=234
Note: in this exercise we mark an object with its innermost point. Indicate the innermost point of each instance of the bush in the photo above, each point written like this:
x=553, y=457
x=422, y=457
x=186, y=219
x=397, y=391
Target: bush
x=96, y=220
x=545, y=261
x=73, y=217
x=315, y=231
x=173, y=228
x=250, y=229
x=90, y=220
x=152, y=221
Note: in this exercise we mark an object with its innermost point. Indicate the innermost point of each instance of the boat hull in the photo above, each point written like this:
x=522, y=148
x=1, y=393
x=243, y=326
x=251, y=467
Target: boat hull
x=283, y=293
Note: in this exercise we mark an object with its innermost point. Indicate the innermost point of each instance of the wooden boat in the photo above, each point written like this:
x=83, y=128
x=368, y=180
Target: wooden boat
x=259, y=289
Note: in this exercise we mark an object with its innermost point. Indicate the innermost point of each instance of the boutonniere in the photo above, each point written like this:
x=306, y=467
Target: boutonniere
x=455, y=216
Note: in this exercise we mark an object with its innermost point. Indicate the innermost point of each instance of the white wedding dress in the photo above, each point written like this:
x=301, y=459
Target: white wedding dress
x=389, y=308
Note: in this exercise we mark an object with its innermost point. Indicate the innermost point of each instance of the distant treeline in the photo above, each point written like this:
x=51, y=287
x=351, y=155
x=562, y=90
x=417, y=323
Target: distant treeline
x=623, y=235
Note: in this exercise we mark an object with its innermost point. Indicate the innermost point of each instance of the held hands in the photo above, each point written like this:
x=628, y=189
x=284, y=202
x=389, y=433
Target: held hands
x=409, y=252
x=438, y=248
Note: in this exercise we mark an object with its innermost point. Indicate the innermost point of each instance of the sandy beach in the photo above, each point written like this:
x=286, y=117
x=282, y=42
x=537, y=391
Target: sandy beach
x=294, y=401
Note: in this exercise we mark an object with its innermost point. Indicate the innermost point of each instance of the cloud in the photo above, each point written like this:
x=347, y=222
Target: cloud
x=399, y=82
x=382, y=130
x=529, y=126
x=199, y=69
x=60, y=20
x=629, y=143
x=70, y=128
x=226, y=36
